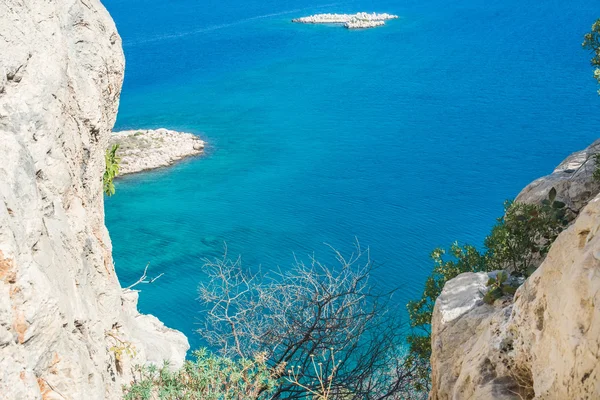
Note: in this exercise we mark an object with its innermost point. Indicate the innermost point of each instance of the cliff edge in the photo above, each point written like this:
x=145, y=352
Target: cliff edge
x=67, y=329
x=545, y=342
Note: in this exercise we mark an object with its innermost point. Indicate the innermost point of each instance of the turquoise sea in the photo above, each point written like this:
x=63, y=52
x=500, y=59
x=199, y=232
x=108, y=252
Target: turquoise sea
x=407, y=137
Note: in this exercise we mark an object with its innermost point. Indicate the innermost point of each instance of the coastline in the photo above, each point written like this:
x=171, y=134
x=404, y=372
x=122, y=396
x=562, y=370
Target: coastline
x=147, y=149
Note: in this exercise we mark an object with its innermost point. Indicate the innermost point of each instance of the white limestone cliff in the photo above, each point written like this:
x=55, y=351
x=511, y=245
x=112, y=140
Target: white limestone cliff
x=67, y=330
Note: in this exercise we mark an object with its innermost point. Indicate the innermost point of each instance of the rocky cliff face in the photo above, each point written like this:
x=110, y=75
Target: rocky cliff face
x=544, y=343
x=572, y=179
x=67, y=329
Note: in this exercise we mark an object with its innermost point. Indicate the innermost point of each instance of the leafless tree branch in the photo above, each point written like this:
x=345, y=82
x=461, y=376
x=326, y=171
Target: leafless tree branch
x=308, y=311
x=143, y=279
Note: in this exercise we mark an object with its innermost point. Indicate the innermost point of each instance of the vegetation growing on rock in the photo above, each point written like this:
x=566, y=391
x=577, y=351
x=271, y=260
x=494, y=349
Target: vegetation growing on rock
x=498, y=286
x=523, y=235
x=147, y=149
x=208, y=377
x=518, y=244
x=592, y=43
x=111, y=170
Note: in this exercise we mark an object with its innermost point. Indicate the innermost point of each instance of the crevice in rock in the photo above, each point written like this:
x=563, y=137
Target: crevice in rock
x=17, y=75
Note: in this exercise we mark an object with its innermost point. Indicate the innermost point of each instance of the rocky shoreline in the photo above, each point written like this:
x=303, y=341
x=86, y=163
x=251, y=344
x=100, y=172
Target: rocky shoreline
x=359, y=20
x=146, y=149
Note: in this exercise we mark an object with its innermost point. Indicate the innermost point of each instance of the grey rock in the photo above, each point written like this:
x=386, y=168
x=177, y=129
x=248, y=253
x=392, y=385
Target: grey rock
x=572, y=180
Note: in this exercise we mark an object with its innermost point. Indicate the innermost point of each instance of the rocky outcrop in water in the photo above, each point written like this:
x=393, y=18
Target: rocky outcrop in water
x=67, y=329
x=545, y=342
x=141, y=150
x=351, y=21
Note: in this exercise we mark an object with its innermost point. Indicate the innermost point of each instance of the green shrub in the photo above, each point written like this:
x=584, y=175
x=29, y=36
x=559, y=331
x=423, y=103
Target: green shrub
x=209, y=377
x=592, y=42
x=111, y=170
x=498, y=287
x=523, y=235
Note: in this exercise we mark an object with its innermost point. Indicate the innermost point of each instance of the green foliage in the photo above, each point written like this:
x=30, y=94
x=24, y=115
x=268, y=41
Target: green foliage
x=112, y=170
x=498, y=287
x=209, y=377
x=592, y=42
x=121, y=348
x=524, y=234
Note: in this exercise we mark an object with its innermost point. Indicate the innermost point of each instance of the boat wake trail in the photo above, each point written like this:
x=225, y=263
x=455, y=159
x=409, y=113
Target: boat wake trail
x=178, y=35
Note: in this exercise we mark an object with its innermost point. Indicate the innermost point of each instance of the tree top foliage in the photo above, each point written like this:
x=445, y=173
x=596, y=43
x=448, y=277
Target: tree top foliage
x=592, y=42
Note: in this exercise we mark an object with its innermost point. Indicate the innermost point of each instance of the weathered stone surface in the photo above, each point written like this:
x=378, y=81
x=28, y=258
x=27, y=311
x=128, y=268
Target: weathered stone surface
x=572, y=180
x=62, y=310
x=145, y=149
x=545, y=345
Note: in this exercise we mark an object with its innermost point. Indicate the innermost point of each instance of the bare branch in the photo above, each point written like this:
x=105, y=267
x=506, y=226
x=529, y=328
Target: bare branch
x=309, y=311
x=143, y=279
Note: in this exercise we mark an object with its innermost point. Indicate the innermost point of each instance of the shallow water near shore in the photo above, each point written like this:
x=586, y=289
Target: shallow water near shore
x=407, y=137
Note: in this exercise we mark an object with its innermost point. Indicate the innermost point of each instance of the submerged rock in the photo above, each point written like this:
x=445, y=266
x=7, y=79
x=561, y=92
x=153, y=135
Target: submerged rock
x=142, y=150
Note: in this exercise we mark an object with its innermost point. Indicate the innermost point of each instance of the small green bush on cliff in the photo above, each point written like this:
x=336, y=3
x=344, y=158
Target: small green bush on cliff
x=523, y=235
x=111, y=170
x=499, y=286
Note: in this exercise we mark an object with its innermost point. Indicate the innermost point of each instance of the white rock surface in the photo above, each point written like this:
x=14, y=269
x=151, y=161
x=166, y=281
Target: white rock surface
x=544, y=346
x=61, y=305
x=572, y=180
x=145, y=149
x=351, y=21
x=360, y=24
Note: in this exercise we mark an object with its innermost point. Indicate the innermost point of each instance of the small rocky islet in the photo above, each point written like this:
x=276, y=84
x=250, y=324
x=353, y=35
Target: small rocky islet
x=361, y=20
x=146, y=149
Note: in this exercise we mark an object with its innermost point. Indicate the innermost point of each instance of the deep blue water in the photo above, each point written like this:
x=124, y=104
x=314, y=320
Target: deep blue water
x=408, y=136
